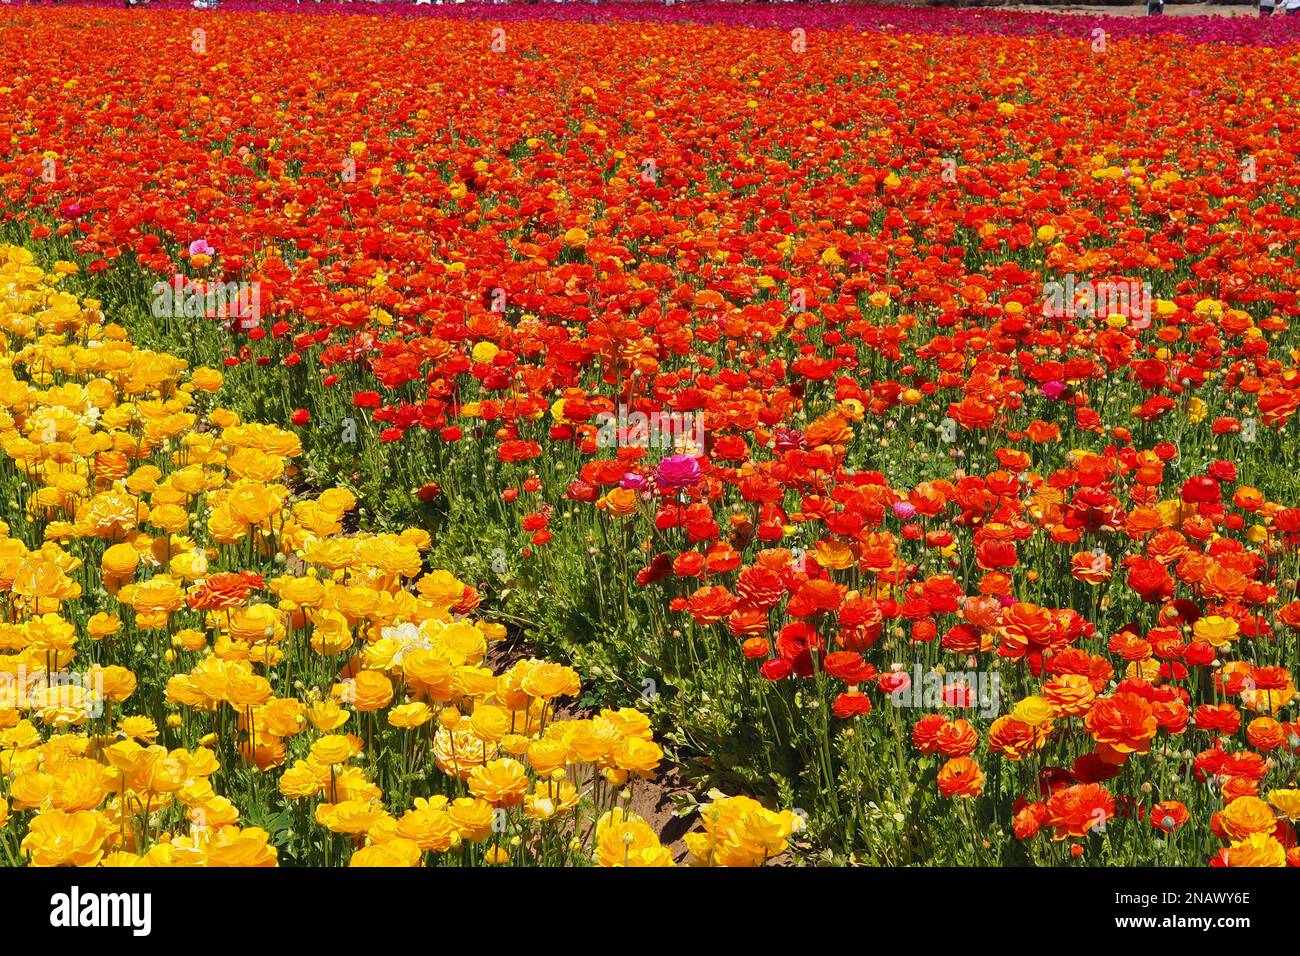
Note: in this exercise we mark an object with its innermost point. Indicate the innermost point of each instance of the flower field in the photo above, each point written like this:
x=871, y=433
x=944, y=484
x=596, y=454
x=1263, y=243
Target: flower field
x=629, y=435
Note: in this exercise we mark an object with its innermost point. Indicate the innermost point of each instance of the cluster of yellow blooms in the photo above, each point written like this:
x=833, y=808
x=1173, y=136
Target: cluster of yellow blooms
x=332, y=662
x=738, y=832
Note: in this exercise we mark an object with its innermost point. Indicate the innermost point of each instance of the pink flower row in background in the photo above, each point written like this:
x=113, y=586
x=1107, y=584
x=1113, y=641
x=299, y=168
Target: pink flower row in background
x=787, y=16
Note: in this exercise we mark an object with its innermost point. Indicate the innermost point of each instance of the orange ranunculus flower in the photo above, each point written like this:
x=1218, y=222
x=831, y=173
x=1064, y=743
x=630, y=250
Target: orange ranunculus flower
x=1265, y=734
x=1075, y=811
x=747, y=622
x=1125, y=722
x=961, y=777
x=1091, y=568
x=1069, y=694
x=831, y=429
x=1169, y=815
x=711, y=604
x=957, y=738
x=1247, y=815
x=1041, y=432
x=1239, y=786
x=1014, y=739
x=836, y=555
x=620, y=502
x=1024, y=627
x=972, y=414
x=815, y=596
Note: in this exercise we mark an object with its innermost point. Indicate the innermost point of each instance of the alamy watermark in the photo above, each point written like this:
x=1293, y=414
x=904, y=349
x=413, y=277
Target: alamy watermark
x=963, y=690
x=662, y=430
x=76, y=910
x=240, y=303
x=1129, y=298
x=62, y=690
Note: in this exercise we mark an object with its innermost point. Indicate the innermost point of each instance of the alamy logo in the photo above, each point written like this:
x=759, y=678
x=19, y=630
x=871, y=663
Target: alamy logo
x=240, y=303
x=62, y=690
x=76, y=909
x=677, y=430
x=964, y=690
x=1088, y=299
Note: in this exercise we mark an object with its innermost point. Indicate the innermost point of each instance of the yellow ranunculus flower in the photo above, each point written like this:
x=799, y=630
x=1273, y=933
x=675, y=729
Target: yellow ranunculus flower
x=1287, y=802
x=1215, y=630
x=1033, y=711
x=501, y=782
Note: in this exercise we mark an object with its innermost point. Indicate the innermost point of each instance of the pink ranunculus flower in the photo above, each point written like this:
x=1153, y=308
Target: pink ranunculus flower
x=678, y=471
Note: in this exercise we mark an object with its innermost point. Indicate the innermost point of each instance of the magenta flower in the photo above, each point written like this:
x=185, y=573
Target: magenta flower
x=678, y=471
